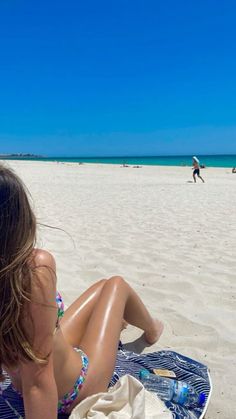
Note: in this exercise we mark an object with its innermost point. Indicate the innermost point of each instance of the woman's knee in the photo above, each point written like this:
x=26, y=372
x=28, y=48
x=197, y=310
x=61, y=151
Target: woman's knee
x=101, y=282
x=99, y=285
x=117, y=281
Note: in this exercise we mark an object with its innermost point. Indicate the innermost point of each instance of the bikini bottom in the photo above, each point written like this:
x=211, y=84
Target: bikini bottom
x=65, y=402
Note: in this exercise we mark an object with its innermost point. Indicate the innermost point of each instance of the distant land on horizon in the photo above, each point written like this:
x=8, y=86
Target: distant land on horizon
x=21, y=155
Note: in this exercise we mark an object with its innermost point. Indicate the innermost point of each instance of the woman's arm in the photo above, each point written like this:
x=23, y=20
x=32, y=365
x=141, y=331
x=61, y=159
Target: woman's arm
x=39, y=391
x=38, y=383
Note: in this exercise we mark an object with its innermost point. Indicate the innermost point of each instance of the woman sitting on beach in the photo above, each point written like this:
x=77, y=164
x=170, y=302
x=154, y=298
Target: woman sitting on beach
x=55, y=360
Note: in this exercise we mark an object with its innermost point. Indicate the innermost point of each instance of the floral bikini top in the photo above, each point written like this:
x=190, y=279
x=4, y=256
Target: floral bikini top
x=60, y=308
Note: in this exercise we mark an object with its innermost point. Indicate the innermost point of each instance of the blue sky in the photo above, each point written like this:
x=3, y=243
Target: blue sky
x=123, y=77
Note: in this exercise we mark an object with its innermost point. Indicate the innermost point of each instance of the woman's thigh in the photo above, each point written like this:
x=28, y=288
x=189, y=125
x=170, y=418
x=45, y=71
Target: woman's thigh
x=76, y=317
x=100, y=341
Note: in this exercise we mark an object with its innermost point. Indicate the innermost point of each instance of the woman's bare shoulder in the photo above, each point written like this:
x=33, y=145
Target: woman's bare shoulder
x=43, y=258
x=44, y=267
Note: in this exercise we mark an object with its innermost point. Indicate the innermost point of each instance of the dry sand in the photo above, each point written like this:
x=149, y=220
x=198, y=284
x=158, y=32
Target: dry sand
x=173, y=240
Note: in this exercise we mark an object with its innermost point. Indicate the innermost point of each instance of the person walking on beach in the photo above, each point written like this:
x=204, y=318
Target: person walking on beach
x=55, y=359
x=196, y=169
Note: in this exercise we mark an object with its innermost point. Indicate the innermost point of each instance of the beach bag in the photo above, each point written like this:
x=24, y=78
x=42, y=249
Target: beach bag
x=127, y=399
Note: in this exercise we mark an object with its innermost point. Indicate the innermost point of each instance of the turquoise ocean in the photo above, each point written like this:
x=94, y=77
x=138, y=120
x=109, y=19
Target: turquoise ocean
x=207, y=160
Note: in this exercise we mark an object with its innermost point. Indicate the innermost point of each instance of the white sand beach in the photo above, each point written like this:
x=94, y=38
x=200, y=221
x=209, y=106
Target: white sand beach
x=173, y=240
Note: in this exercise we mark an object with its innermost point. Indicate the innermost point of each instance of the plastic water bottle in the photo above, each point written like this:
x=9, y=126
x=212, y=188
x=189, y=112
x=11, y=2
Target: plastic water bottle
x=169, y=389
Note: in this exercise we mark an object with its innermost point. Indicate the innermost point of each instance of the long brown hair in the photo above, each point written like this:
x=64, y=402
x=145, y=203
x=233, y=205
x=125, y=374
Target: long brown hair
x=17, y=241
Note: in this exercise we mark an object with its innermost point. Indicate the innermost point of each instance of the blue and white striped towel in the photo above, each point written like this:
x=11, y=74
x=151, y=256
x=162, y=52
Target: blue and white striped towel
x=186, y=369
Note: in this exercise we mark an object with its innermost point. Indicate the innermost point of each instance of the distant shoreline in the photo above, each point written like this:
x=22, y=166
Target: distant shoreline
x=227, y=161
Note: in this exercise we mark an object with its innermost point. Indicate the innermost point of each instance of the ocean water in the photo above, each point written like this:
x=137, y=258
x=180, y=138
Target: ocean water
x=207, y=160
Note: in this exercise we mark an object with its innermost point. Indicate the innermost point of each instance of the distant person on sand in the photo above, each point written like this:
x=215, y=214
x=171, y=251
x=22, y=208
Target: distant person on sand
x=234, y=170
x=196, y=169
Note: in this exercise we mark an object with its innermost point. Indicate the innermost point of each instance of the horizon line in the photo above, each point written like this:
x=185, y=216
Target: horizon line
x=32, y=155
x=141, y=155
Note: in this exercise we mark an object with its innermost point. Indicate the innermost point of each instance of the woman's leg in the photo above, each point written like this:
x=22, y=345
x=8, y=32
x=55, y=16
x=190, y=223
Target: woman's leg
x=117, y=300
x=76, y=317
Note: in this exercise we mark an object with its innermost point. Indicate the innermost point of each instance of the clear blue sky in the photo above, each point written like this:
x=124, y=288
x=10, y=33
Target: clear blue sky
x=113, y=77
